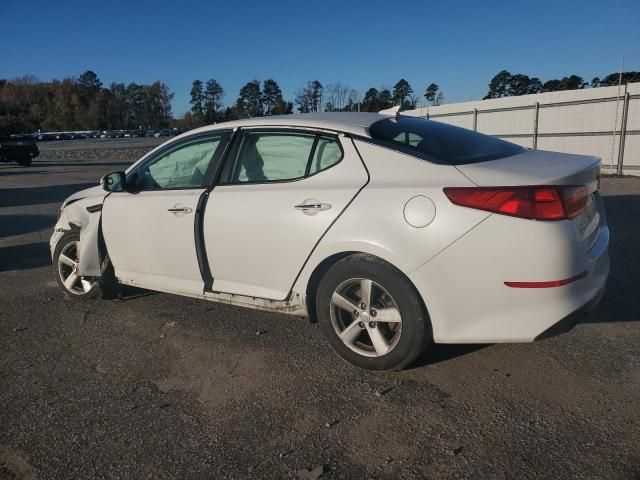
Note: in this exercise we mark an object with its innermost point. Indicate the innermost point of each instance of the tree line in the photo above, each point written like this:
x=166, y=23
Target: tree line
x=506, y=84
x=257, y=99
x=254, y=100
x=82, y=103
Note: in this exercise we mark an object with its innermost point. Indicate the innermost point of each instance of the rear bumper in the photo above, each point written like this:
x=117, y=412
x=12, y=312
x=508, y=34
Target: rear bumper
x=464, y=287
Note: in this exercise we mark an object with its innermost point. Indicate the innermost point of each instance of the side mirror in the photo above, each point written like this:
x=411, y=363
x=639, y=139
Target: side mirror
x=114, y=182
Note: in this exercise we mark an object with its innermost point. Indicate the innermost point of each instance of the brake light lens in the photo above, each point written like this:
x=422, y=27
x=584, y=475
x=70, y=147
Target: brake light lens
x=537, y=203
x=575, y=200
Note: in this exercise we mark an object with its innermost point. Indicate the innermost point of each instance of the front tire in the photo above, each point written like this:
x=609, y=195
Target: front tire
x=371, y=314
x=65, y=264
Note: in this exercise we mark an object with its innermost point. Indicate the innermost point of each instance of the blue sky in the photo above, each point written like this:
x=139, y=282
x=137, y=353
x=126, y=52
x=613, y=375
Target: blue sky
x=459, y=45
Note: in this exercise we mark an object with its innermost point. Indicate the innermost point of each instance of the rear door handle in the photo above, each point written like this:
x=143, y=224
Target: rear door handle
x=312, y=206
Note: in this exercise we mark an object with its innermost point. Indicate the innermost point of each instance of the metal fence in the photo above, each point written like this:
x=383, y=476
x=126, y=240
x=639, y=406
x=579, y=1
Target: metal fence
x=598, y=121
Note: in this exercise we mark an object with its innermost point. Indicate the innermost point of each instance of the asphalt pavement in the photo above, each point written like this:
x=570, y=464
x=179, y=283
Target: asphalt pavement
x=165, y=387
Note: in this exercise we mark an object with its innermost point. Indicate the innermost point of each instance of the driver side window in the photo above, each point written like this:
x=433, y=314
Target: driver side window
x=184, y=166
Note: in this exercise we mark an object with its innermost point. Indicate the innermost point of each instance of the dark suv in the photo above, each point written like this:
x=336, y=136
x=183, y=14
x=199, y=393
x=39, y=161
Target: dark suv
x=21, y=149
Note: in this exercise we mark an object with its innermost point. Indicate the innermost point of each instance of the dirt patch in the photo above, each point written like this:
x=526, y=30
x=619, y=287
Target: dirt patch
x=215, y=374
x=13, y=466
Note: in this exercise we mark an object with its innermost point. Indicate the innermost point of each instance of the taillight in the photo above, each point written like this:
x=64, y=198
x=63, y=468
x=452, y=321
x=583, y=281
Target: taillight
x=537, y=203
x=575, y=200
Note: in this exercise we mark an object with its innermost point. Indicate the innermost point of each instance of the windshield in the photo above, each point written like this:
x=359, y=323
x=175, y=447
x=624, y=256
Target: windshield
x=439, y=142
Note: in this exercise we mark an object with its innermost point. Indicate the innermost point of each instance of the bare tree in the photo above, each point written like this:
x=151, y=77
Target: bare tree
x=336, y=94
x=309, y=98
x=353, y=100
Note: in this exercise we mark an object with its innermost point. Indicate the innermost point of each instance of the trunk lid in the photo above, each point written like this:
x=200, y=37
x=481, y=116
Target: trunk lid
x=534, y=167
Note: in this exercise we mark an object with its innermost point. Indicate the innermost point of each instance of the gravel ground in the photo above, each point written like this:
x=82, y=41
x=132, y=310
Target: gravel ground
x=160, y=386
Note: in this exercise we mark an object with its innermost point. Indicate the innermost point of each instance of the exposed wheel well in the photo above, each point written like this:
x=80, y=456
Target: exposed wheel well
x=314, y=281
x=325, y=265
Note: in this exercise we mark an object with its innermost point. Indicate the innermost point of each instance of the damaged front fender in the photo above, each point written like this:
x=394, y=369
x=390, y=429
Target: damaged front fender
x=85, y=216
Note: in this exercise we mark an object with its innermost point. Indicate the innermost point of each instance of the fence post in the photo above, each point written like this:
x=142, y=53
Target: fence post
x=475, y=119
x=623, y=133
x=535, y=125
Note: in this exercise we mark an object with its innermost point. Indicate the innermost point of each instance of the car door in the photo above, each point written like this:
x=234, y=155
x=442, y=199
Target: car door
x=279, y=192
x=149, y=230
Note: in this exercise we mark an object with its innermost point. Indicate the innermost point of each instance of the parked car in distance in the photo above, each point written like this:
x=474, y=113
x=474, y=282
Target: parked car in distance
x=392, y=232
x=163, y=133
x=21, y=149
x=45, y=137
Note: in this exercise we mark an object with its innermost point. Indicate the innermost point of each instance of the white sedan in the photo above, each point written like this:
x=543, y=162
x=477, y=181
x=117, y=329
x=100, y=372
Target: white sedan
x=391, y=231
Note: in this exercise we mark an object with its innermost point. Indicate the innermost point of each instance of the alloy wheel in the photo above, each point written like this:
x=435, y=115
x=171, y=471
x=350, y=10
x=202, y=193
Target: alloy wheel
x=366, y=317
x=67, y=269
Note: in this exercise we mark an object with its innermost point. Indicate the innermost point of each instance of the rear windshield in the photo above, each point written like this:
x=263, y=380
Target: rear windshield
x=439, y=142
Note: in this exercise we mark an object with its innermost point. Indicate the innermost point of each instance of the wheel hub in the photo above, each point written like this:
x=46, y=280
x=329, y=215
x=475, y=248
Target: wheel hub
x=366, y=317
x=68, y=261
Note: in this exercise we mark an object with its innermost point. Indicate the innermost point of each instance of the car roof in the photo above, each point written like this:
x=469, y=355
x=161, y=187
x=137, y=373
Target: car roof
x=349, y=122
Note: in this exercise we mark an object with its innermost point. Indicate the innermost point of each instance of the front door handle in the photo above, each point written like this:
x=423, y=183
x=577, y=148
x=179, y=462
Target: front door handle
x=180, y=210
x=311, y=206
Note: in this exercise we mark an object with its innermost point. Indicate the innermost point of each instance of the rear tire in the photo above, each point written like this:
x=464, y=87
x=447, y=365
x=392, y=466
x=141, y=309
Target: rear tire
x=371, y=314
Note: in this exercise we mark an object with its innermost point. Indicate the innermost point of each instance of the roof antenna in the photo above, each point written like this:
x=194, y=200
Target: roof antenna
x=393, y=111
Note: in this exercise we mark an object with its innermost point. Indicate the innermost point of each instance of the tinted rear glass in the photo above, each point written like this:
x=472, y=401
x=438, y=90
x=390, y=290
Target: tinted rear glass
x=439, y=142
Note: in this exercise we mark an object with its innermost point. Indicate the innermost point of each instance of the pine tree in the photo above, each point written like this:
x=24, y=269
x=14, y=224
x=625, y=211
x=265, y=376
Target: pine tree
x=402, y=92
x=249, y=102
x=431, y=93
x=212, y=101
x=271, y=96
x=371, y=101
x=197, y=107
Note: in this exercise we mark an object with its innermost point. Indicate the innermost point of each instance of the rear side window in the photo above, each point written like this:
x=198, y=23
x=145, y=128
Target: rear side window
x=439, y=142
x=326, y=154
x=273, y=156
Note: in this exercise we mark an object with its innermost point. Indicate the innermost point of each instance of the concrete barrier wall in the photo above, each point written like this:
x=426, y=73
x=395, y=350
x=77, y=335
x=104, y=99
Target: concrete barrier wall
x=575, y=121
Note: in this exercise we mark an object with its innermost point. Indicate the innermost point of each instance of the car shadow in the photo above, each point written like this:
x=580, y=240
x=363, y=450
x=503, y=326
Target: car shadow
x=128, y=292
x=25, y=223
x=620, y=301
x=441, y=352
x=5, y=172
x=20, y=196
x=24, y=257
